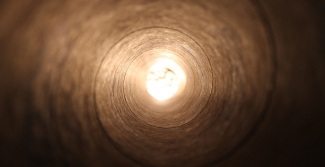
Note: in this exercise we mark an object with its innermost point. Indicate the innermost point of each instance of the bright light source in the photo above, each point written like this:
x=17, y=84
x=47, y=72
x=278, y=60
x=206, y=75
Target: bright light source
x=163, y=79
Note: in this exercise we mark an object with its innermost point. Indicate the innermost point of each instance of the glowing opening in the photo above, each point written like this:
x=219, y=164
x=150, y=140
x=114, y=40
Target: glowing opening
x=163, y=79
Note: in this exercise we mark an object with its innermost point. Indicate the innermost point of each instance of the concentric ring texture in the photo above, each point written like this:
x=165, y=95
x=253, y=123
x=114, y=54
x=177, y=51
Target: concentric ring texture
x=213, y=96
x=74, y=88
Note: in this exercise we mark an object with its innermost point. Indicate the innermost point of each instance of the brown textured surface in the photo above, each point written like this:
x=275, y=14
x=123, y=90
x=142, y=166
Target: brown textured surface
x=69, y=94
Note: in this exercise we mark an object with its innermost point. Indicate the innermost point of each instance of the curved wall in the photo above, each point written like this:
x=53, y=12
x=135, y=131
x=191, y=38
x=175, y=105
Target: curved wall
x=73, y=93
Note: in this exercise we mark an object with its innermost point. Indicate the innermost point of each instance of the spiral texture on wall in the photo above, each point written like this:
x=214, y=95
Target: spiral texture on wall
x=74, y=82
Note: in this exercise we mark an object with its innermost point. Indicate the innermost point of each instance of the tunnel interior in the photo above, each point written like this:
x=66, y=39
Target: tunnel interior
x=162, y=83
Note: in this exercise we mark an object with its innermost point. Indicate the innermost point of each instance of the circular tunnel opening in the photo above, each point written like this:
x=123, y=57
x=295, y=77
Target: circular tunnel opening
x=164, y=79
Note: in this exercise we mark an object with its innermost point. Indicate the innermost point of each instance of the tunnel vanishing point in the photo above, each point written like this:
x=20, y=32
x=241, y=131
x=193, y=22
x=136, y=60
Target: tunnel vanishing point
x=162, y=83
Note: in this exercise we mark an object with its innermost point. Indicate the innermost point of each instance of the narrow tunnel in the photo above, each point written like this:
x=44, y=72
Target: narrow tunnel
x=164, y=83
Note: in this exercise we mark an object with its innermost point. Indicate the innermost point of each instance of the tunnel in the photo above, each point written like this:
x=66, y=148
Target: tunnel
x=162, y=83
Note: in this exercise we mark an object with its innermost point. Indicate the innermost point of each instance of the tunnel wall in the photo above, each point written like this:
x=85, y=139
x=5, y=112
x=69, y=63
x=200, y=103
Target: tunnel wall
x=62, y=88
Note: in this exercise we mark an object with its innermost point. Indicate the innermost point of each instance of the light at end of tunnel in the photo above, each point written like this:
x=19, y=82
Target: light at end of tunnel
x=164, y=79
